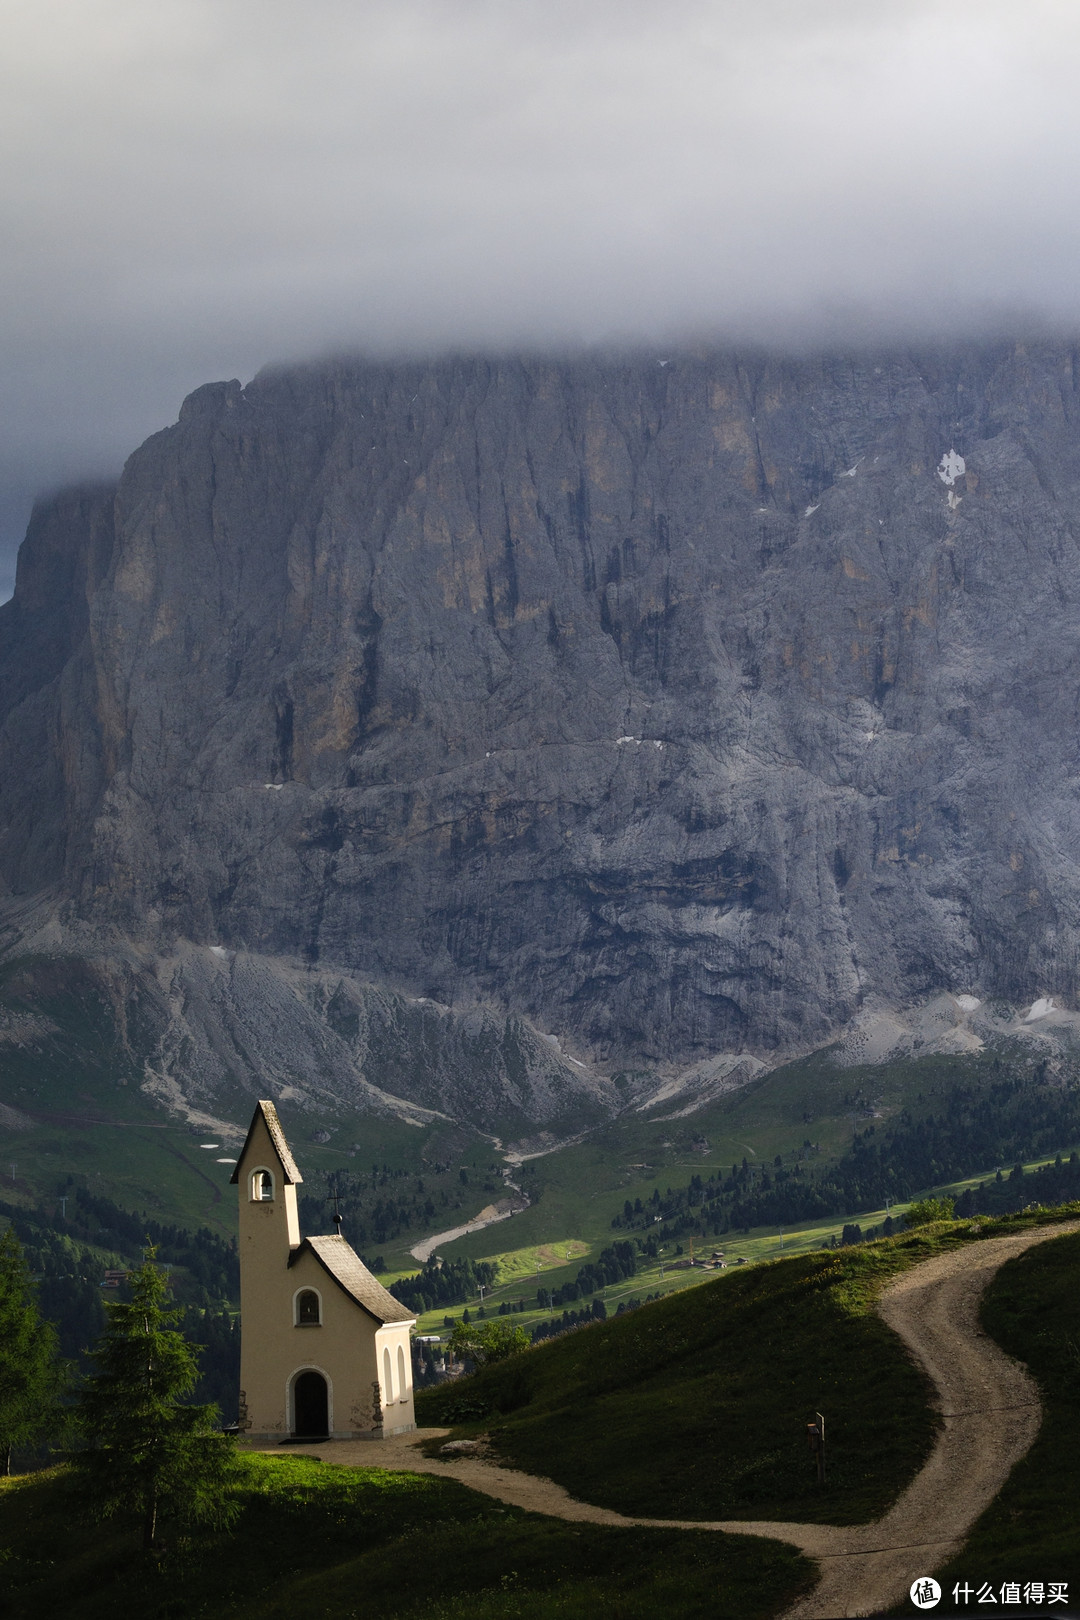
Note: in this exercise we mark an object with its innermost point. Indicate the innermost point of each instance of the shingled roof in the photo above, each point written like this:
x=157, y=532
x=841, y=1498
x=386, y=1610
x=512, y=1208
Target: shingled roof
x=337, y=1257
x=277, y=1136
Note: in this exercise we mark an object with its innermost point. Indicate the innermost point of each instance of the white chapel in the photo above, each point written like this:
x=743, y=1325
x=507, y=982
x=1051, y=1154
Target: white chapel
x=324, y=1348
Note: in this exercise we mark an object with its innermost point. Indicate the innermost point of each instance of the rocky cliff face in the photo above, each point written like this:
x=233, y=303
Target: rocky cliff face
x=676, y=706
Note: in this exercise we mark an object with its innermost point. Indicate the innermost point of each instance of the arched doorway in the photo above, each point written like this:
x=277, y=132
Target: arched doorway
x=310, y=1407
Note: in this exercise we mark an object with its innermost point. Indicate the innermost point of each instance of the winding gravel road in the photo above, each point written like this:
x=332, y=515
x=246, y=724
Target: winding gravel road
x=991, y=1414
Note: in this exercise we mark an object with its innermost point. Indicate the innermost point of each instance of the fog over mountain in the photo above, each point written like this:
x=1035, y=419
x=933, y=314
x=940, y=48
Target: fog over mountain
x=192, y=188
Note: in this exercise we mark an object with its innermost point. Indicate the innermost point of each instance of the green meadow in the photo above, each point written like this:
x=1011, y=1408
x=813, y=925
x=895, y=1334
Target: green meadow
x=336, y=1543
x=579, y=1188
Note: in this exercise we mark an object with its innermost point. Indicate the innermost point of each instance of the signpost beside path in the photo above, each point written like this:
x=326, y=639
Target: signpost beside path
x=815, y=1434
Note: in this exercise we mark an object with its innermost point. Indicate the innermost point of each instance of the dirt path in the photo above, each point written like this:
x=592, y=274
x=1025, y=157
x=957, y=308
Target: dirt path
x=488, y=1216
x=991, y=1416
x=991, y=1413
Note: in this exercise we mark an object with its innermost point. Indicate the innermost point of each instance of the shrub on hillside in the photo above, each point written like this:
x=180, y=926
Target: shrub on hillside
x=486, y=1342
x=928, y=1210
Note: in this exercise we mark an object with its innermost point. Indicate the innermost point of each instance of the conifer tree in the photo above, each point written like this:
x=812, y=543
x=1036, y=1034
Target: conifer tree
x=31, y=1376
x=146, y=1453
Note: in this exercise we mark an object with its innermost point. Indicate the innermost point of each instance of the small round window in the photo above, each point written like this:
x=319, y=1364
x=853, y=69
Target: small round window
x=307, y=1308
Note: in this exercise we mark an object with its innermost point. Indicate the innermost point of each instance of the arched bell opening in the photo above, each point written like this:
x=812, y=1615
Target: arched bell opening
x=261, y=1186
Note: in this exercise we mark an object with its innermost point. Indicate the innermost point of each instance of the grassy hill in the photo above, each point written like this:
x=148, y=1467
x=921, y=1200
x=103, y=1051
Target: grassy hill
x=696, y=1406
x=940, y=1118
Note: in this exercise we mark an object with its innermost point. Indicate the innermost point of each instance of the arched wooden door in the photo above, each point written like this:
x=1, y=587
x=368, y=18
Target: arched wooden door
x=310, y=1407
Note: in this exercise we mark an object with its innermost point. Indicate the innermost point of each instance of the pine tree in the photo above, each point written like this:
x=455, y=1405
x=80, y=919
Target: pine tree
x=146, y=1453
x=31, y=1377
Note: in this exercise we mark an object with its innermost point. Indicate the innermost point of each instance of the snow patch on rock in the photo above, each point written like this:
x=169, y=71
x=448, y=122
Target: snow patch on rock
x=951, y=467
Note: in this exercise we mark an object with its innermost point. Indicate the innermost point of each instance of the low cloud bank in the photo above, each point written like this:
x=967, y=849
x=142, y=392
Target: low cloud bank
x=200, y=186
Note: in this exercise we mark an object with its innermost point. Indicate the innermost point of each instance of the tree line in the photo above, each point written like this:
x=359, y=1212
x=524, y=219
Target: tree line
x=1048, y=1184
x=614, y=1264
x=1011, y=1119
x=68, y=1255
x=444, y=1282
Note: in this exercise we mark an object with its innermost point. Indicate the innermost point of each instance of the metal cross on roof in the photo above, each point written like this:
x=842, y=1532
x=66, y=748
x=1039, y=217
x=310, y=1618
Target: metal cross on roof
x=335, y=1196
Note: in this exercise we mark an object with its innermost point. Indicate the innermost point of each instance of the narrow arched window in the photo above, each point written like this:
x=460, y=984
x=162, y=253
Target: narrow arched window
x=262, y=1187
x=387, y=1377
x=307, y=1309
x=401, y=1385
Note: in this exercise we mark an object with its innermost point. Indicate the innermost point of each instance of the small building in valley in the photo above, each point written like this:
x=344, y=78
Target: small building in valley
x=324, y=1348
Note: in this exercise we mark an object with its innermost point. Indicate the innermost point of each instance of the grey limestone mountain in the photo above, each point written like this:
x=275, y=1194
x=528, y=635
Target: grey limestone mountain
x=648, y=709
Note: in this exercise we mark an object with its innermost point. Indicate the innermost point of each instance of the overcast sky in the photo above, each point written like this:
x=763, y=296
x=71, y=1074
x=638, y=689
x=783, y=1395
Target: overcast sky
x=192, y=188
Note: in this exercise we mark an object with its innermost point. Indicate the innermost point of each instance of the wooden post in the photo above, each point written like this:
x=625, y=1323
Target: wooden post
x=815, y=1434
